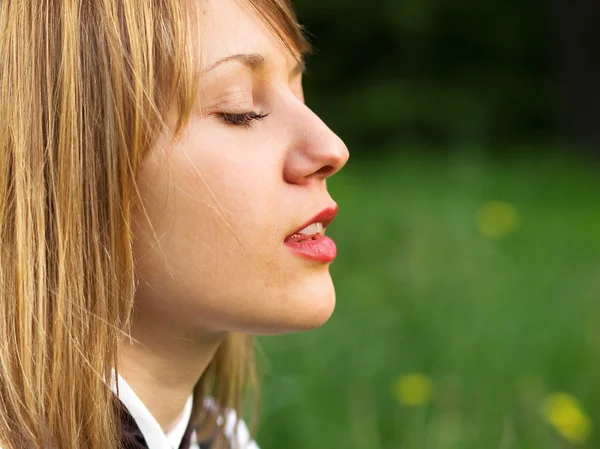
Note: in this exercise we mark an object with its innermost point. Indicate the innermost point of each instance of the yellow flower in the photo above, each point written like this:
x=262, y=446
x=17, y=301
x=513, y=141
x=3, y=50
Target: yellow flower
x=496, y=219
x=413, y=390
x=565, y=414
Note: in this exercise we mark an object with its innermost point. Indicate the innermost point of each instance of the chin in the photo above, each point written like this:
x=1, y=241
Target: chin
x=302, y=305
x=306, y=307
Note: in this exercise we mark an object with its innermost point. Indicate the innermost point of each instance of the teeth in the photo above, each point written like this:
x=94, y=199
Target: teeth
x=315, y=228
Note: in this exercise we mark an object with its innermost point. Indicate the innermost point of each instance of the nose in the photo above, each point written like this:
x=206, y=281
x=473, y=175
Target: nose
x=315, y=152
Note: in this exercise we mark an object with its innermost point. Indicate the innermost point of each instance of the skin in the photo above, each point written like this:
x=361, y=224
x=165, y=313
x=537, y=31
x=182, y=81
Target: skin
x=220, y=202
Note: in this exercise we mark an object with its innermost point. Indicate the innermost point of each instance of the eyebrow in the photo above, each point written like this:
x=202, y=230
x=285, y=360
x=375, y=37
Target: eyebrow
x=254, y=62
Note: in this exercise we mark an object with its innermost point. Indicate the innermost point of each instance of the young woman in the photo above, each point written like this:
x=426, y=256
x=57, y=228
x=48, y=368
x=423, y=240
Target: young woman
x=162, y=198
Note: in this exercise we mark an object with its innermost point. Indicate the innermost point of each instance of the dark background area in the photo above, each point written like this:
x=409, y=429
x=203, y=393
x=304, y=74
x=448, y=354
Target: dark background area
x=443, y=73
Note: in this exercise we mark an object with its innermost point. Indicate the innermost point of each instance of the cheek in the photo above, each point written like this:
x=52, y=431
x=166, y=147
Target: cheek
x=215, y=211
x=232, y=191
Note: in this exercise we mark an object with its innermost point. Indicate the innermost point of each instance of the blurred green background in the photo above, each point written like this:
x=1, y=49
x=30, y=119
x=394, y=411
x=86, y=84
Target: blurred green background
x=468, y=270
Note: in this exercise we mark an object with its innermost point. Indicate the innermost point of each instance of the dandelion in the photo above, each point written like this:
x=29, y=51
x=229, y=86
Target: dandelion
x=496, y=219
x=413, y=390
x=567, y=417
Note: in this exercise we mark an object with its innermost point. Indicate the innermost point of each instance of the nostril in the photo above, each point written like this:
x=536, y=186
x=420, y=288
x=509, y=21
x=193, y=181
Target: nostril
x=326, y=171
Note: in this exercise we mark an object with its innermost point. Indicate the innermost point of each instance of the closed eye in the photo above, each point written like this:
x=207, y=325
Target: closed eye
x=242, y=119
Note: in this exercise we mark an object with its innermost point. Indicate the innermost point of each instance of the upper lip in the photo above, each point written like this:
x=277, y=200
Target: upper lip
x=325, y=217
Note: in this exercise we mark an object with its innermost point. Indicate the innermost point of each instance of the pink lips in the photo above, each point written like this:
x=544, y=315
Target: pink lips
x=316, y=247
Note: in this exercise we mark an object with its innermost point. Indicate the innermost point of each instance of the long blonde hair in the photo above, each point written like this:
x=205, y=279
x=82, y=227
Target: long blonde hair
x=84, y=89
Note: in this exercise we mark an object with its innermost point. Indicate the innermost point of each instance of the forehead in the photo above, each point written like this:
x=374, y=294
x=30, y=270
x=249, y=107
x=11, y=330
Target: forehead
x=229, y=27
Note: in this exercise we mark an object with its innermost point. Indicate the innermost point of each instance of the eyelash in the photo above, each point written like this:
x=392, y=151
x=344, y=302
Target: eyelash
x=243, y=119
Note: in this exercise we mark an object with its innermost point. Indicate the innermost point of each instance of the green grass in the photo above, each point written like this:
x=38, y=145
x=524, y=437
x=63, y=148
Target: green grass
x=495, y=324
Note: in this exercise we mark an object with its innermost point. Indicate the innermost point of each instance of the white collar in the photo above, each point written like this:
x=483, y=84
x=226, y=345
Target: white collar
x=175, y=434
x=155, y=437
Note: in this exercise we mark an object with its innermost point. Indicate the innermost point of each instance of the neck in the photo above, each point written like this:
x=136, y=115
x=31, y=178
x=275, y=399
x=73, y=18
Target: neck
x=163, y=368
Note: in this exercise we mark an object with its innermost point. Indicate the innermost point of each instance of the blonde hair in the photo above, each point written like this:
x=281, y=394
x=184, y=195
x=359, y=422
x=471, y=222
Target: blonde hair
x=84, y=91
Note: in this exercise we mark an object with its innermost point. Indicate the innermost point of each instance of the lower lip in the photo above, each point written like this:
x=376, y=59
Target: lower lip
x=320, y=248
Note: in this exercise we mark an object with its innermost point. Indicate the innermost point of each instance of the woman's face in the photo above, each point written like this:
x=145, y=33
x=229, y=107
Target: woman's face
x=225, y=201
